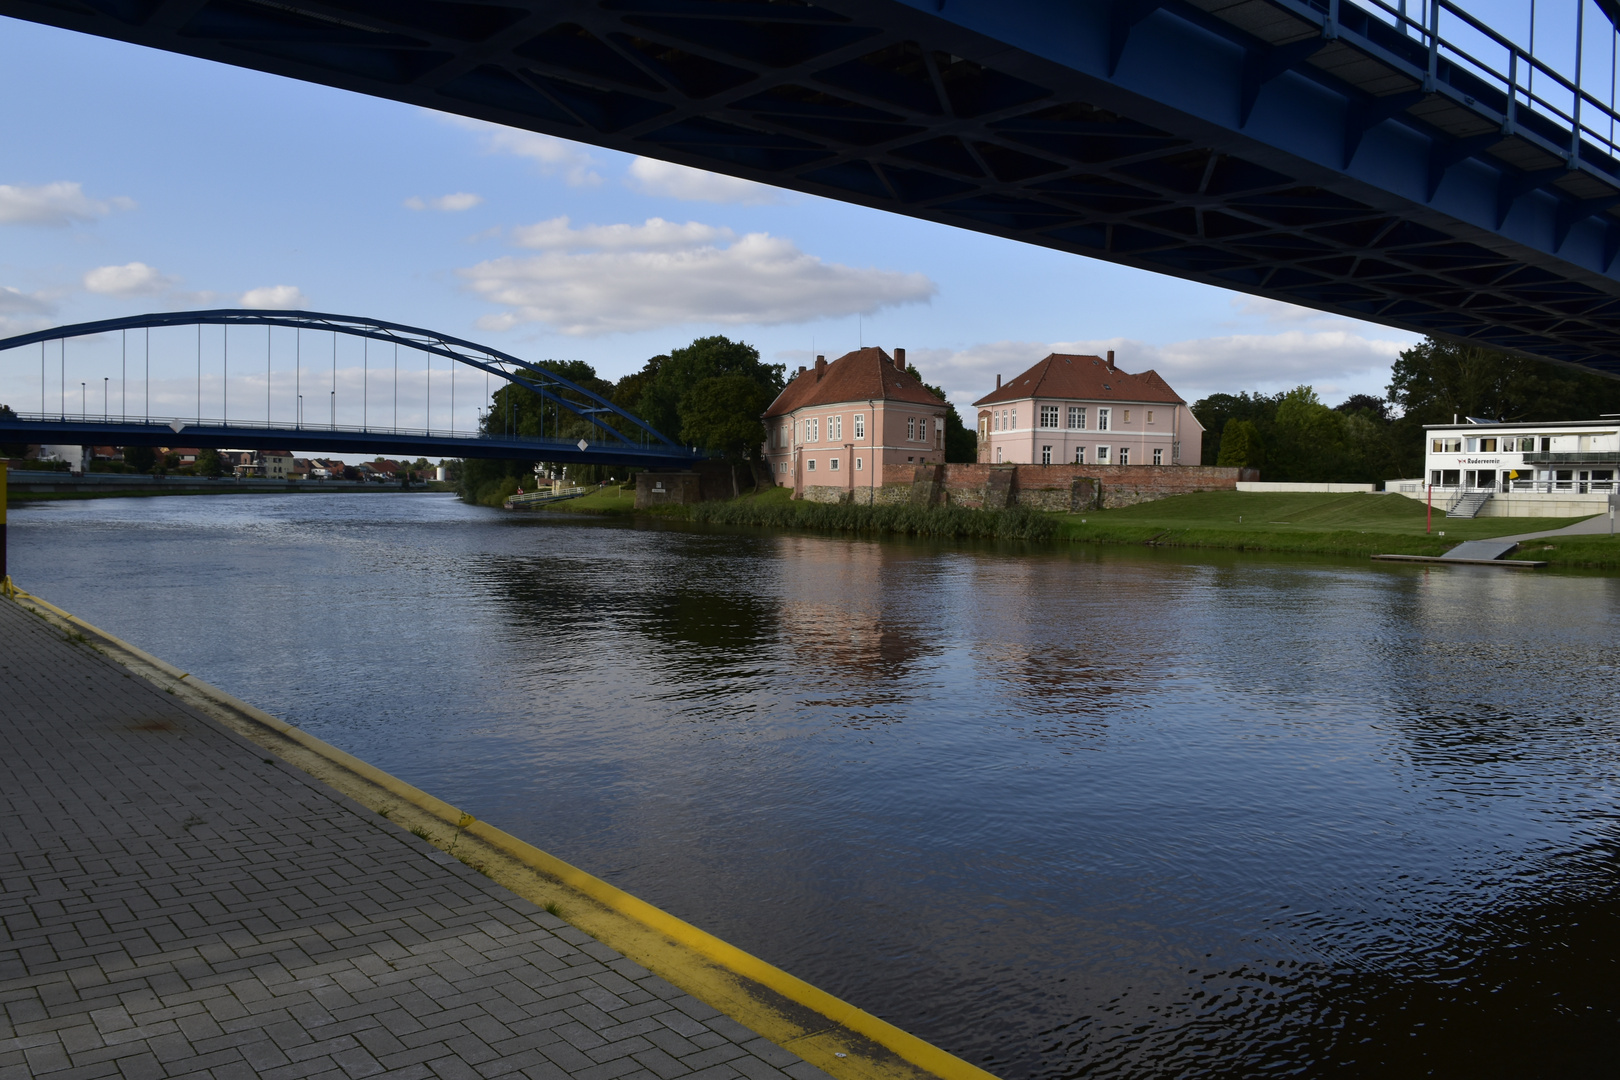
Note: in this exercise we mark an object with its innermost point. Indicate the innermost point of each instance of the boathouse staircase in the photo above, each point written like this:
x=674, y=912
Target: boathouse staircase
x=1468, y=504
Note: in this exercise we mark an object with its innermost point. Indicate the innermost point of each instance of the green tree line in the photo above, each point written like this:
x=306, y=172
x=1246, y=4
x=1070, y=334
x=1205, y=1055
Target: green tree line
x=708, y=395
x=1294, y=436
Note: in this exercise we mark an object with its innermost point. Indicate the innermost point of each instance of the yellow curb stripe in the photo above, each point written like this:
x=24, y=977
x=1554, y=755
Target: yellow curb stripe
x=834, y=1035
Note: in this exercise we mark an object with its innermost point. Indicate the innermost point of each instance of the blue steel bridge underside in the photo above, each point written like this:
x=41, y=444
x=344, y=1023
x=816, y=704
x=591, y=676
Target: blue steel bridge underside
x=1299, y=150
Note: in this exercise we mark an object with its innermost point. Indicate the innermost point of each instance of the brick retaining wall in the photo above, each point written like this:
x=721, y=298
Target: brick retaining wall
x=1044, y=487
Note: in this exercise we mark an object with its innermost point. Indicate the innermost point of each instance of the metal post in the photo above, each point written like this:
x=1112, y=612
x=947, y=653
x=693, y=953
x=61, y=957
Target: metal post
x=298, y=371
x=149, y=374
x=6, y=588
x=365, y=384
x=1428, y=515
x=1434, y=46
x=199, y=373
x=334, y=380
x=1575, y=113
x=267, y=375
x=123, y=377
x=104, y=410
x=225, y=388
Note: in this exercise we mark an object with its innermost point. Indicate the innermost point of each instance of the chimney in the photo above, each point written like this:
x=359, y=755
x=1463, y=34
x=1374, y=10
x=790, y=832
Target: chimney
x=998, y=382
x=1110, y=359
x=801, y=369
x=900, y=359
x=821, y=367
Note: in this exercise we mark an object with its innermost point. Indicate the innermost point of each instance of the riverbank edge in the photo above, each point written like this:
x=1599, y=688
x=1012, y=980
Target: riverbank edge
x=1341, y=543
x=837, y=1037
x=18, y=494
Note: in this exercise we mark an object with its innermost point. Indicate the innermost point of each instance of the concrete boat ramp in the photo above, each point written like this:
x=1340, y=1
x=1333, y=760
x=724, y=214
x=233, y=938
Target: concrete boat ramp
x=1490, y=552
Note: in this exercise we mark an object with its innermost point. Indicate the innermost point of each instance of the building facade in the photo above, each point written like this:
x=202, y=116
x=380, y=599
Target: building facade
x=1084, y=410
x=1579, y=458
x=835, y=426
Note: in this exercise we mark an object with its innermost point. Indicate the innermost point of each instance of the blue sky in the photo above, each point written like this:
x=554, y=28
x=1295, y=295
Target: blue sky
x=134, y=180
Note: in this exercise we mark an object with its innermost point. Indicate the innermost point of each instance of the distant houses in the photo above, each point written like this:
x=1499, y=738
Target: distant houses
x=1085, y=410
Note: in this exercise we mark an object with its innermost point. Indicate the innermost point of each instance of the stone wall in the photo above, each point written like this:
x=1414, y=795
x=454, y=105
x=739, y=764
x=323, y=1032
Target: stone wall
x=1060, y=488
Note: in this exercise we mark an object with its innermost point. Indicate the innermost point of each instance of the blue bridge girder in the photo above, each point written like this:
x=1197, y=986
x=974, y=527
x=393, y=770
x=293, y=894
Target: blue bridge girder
x=1335, y=154
x=75, y=430
x=643, y=446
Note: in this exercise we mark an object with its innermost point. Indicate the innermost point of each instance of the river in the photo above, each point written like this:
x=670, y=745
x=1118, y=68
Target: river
x=1064, y=811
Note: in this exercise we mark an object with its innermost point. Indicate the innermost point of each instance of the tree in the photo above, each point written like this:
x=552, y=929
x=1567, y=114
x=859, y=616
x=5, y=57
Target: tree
x=1308, y=439
x=1435, y=381
x=209, y=463
x=1241, y=446
x=674, y=377
x=140, y=458
x=722, y=415
x=1218, y=410
x=961, y=442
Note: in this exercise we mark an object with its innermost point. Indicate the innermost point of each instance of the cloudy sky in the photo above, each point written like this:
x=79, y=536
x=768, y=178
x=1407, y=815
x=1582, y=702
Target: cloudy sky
x=133, y=180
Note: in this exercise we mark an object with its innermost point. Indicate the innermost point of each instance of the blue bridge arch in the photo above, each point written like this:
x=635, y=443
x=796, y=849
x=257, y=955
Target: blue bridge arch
x=642, y=445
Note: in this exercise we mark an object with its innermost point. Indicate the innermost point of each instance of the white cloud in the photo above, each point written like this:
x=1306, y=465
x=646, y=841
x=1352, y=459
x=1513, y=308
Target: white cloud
x=60, y=203
x=551, y=155
x=655, y=234
x=461, y=200
x=284, y=297
x=653, y=177
x=16, y=302
x=131, y=279
x=21, y=312
x=606, y=279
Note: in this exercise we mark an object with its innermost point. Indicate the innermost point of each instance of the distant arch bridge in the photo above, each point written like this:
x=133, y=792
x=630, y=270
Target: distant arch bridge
x=620, y=437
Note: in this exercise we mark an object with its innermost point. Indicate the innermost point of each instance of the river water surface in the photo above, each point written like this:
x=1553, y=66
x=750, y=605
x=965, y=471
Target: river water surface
x=1065, y=812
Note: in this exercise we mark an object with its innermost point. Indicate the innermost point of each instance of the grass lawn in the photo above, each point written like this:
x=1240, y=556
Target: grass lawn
x=1356, y=524
x=605, y=500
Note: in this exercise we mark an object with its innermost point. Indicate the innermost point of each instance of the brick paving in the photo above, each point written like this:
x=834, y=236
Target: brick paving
x=175, y=905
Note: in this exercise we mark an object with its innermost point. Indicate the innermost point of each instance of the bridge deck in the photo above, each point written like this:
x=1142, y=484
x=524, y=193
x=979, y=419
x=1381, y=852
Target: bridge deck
x=175, y=905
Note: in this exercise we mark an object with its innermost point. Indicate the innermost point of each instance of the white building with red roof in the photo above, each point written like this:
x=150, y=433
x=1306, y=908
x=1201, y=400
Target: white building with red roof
x=833, y=428
x=1084, y=410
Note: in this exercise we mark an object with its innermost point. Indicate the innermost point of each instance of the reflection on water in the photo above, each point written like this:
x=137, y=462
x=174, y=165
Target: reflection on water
x=1100, y=813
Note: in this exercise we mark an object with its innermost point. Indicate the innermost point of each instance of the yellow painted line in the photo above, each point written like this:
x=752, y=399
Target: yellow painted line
x=832, y=1034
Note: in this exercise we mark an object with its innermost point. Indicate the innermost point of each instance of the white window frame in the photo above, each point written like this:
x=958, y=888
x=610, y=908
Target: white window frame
x=1124, y=455
x=1015, y=419
x=1077, y=418
x=1046, y=455
x=1158, y=455
x=860, y=428
x=1102, y=419
x=810, y=464
x=835, y=428
x=911, y=429
x=812, y=431
x=998, y=455
x=1079, y=455
x=832, y=465
x=1102, y=455
x=860, y=463
x=1049, y=413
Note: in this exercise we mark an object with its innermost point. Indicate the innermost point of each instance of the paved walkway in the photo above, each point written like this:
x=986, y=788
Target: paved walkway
x=172, y=904
x=1592, y=526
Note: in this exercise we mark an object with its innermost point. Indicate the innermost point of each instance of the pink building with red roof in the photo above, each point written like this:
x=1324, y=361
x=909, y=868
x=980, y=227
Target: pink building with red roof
x=833, y=428
x=1085, y=410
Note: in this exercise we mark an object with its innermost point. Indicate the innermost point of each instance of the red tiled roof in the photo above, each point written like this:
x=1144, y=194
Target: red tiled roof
x=863, y=375
x=1086, y=378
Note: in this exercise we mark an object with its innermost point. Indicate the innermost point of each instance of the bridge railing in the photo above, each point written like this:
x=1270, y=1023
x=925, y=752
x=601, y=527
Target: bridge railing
x=179, y=425
x=1440, y=42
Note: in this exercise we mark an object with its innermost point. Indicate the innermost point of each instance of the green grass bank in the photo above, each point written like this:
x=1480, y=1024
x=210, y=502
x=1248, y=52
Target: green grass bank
x=1355, y=525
